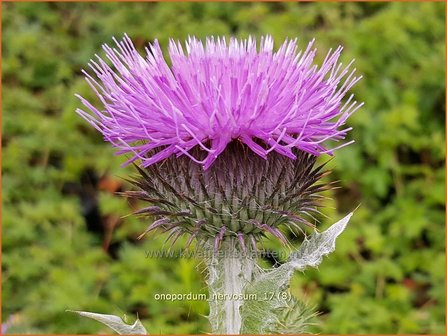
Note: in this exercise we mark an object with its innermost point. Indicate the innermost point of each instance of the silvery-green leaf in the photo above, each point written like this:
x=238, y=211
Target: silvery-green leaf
x=116, y=323
x=312, y=250
x=271, y=287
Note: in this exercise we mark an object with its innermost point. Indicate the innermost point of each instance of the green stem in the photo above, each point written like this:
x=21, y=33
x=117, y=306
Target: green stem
x=229, y=271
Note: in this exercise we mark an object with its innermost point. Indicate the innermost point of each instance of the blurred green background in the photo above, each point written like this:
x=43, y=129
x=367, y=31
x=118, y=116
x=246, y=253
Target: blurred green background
x=387, y=274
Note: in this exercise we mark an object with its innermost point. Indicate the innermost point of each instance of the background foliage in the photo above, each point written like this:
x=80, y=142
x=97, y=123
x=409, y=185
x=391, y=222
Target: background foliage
x=387, y=274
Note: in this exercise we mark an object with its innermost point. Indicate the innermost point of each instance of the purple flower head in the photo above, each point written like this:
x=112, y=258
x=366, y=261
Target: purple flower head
x=216, y=92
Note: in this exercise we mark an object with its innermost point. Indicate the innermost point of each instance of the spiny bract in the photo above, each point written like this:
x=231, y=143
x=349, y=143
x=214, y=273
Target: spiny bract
x=241, y=195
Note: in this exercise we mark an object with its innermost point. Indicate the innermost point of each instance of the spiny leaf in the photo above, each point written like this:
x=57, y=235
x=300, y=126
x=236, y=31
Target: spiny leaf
x=115, y=323
x=269, y=287
x=313, y=250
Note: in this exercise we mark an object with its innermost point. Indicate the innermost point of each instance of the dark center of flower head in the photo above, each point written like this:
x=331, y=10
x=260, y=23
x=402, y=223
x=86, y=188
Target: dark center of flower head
x=241, y=195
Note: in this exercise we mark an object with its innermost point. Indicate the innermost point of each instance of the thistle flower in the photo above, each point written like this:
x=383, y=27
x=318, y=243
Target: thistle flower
x=228, y=135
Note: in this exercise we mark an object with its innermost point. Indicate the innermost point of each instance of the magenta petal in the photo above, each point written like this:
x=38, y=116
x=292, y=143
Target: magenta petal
x=215, y=92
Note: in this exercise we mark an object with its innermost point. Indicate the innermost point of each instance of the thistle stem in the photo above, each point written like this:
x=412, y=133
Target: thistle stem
x=229, y=271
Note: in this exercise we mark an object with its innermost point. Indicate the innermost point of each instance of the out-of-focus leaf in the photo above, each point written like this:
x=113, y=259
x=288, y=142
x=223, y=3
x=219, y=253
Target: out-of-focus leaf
x=116, y=323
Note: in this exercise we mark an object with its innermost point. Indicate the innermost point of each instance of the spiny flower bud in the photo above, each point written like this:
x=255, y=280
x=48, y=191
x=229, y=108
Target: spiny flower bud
x=241, y=195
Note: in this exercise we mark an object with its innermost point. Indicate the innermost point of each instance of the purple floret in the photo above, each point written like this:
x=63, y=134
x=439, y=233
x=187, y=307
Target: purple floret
x=216, y=92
